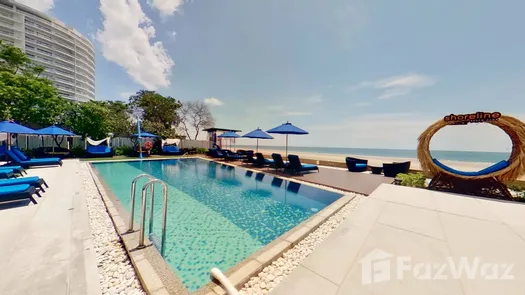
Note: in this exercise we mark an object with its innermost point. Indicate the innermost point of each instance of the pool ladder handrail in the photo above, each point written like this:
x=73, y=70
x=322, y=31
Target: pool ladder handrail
x=151, y=185
x=220, y=279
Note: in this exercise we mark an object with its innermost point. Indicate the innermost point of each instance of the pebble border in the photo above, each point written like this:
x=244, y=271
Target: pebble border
x=276, y=272
x=116, y=273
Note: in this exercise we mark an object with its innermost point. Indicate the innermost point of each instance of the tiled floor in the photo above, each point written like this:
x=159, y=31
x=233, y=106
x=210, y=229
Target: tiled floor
x=401, y=240
x=45, y=248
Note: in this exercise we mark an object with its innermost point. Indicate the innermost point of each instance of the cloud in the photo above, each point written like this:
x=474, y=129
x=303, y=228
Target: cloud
x=172, y=35
x=125, y=40
x=213, y=101
x=362, y=104
x=166, y=7
x=396, y=85
x=314, y=99
x=40, y=5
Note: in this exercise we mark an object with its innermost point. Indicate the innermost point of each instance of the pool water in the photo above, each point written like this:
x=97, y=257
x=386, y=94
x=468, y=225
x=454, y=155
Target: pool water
x=217, y=214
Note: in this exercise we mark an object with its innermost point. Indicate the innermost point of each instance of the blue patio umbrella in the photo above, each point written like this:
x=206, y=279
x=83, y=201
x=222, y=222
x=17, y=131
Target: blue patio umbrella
x=55, y=131
x=10, y=127
x=257, y=134
x=287, y=128
x=230, y=135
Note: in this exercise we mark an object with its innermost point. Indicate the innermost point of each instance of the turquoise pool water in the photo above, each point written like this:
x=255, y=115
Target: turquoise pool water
x=217, y=215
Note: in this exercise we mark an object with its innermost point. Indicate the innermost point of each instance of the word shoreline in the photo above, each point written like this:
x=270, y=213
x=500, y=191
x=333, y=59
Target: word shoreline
x=472, y=118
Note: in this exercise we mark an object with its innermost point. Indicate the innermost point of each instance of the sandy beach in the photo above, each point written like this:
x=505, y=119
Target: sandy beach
x=375, y=160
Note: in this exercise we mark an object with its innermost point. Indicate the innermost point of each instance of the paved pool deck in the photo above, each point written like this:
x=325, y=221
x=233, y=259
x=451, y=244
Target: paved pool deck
x=408, y=241
x=46, y=248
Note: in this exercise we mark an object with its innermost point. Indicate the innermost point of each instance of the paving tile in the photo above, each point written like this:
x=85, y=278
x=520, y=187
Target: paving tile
x=405, y=195
x=489, y=245
x=418, y=220
x=334, y=256
x=387, y=264
x=463, y=206
x=305, y=282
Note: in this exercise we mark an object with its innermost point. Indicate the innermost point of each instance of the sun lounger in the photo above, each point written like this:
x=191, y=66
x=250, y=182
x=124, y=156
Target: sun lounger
x=24, y=157
x=6, y=173
x=99, y=151
x=32, y=180
x=249, y=158
x=278, y=162
x=295, y=165
x=229, y=156
x=355, y=164
x=18, y=169
x=260, y=161
x=18, y=192
x=33, y=162
x=216, y=154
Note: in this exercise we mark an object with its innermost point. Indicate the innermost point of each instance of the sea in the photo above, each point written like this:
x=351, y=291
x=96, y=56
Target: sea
x=463, y=156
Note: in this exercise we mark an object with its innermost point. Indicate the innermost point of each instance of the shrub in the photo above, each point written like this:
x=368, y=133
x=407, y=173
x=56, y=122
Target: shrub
x=515, y=187
x=201, y=150
x=412, y=179
x=78, y=152
x=123, y=151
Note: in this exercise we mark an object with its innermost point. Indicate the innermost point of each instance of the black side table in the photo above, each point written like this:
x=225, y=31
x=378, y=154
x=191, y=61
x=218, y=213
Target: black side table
x=376, y=169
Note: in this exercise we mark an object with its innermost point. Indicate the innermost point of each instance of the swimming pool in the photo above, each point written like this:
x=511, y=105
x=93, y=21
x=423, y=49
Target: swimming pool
x=217, y=214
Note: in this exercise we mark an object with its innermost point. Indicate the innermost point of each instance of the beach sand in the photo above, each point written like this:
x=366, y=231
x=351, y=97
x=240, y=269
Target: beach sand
x=378, y=161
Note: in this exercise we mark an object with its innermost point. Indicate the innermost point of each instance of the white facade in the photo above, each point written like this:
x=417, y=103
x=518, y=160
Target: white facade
x=69, y=57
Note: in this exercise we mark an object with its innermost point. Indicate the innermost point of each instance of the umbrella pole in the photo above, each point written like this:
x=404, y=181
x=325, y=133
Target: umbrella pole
x=257, y=148
x=286, y=146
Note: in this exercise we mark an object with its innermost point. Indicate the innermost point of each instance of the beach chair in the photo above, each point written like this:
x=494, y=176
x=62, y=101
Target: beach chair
x=24, y=157
x=230, y=156
x=356, y=164
x=172, y=150
x=260, y=161
x=18, y=192
x=18, y=169
x=32, y=180
x=278, y=162
x=249, y=157
x=295, y=165
x=216, y=154
x=7, y=173
x=33, y=162
x=393, y=169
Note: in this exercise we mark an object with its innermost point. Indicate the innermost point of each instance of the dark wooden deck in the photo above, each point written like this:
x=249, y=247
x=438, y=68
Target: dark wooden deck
x=362, y=183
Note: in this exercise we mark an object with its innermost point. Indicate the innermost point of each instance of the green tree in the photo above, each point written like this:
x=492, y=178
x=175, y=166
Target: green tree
x=119, y=118
x=158, y=113
x=89, y=119
x=24, y=96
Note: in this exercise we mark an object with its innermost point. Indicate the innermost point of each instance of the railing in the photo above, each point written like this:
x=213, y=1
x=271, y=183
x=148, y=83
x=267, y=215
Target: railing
x=220, y=279
x=151, y=186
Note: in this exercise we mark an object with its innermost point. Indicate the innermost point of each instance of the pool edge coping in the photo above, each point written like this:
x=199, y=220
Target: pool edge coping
x=239, y=274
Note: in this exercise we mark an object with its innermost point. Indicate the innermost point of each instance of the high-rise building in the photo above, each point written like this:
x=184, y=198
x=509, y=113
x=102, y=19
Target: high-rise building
x=69, y=57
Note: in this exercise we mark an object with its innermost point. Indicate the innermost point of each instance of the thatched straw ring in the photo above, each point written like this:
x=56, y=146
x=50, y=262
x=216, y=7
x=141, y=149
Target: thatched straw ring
x=513, y=127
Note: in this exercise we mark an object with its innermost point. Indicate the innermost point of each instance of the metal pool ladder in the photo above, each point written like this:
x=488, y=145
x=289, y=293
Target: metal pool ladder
x=151, y=186
x=220, y=279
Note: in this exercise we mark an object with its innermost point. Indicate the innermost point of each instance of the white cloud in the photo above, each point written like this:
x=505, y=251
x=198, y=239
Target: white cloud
x=166, y=7
x=172, y=35
x=314, y=99
x=40, y=5
x=125, y=40
x=213, y=101
x=396, y=85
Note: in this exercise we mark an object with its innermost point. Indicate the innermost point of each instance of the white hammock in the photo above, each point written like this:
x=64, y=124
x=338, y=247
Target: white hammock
x=98, y=142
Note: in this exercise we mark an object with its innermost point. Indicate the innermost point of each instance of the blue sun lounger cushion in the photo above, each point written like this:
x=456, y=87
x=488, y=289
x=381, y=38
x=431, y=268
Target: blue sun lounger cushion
x=31, y=180
x=18, y=193
x=493, y=168
x=18, y=169
x=33, y=162
x=296, y=166
x=22, y=156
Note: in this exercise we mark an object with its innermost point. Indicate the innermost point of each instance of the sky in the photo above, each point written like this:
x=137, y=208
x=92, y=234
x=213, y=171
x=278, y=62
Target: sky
x=354, y=73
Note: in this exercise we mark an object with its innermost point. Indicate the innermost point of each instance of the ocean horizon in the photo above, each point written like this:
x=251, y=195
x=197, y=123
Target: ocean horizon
x=464, y=156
